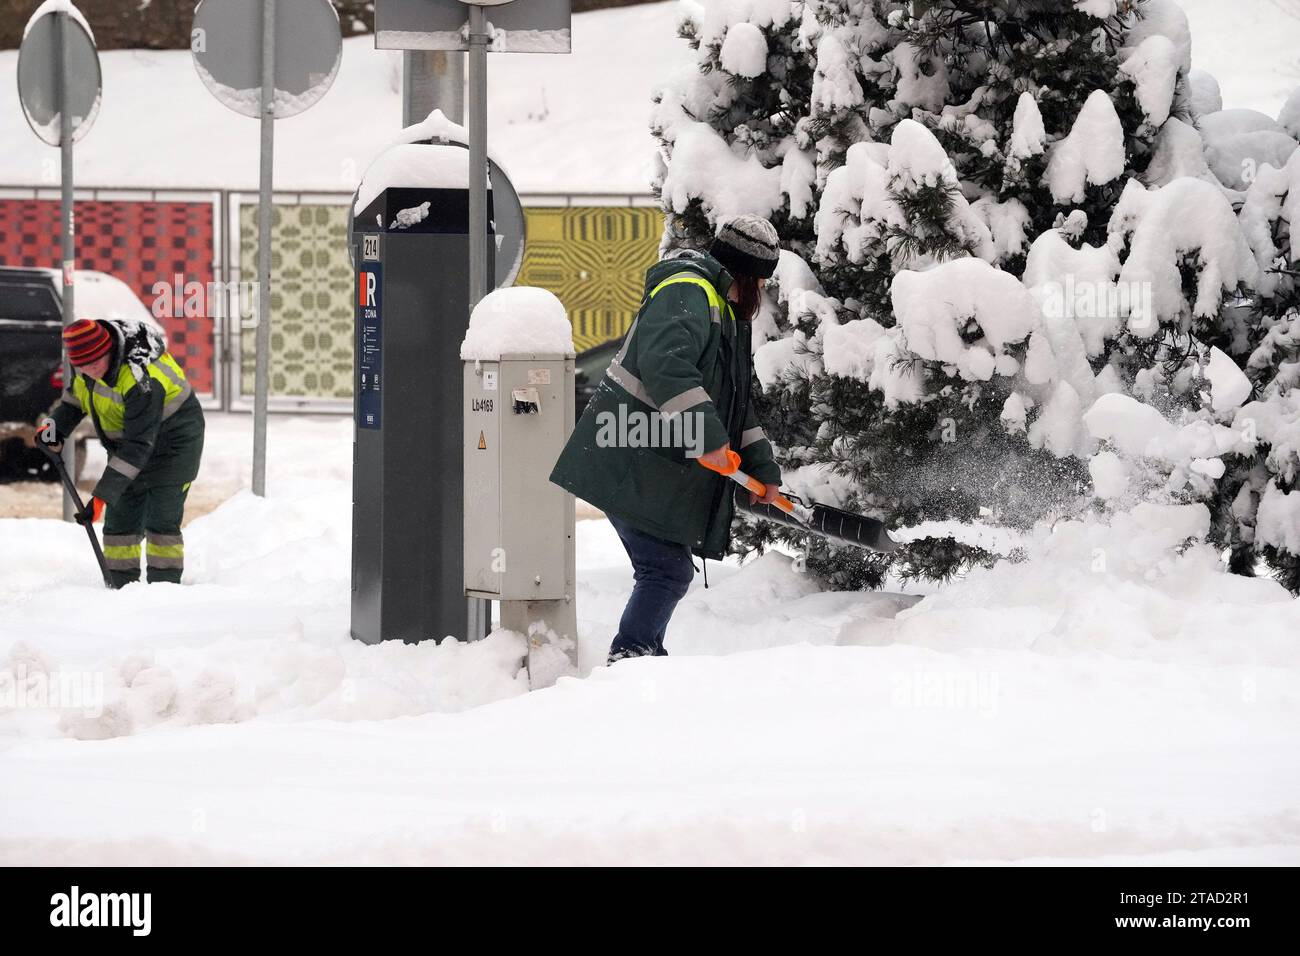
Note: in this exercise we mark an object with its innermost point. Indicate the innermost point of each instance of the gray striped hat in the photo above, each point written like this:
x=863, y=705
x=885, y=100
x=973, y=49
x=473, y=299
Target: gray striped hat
x=747, y=246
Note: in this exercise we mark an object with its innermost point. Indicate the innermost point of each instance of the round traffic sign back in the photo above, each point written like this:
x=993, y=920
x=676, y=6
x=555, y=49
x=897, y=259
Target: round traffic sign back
x=226, y=44
x=56, y=38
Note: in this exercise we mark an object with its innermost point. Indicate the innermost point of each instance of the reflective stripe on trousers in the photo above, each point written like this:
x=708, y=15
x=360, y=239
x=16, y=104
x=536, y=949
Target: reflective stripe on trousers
x=122, y=551
x=165, y=550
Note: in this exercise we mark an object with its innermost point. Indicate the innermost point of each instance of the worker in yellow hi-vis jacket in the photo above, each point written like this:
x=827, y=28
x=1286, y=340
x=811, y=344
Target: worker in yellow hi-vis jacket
x=150, y=421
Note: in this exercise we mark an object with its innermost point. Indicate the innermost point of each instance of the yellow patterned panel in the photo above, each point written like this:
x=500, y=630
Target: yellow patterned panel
x=594, y=259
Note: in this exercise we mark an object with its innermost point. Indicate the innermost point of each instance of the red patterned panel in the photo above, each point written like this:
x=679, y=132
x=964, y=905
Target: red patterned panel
x=140, y=243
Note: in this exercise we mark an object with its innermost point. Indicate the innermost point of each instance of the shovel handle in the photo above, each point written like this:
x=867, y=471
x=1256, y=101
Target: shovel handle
x=732, y=471
x=84, y=510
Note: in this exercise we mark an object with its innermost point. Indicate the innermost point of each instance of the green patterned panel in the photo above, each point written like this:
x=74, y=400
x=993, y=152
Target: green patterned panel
x=311, y=301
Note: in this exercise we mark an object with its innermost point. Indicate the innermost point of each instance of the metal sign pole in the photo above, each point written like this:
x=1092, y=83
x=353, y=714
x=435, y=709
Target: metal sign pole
x=479, y=610
x=264, y=248
x=432, y=79
x=59, y=87
x=478, y=40
x=302, y=68
x=67, y=225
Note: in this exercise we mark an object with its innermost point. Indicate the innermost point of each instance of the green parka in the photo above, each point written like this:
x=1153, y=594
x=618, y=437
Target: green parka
x=678, y=387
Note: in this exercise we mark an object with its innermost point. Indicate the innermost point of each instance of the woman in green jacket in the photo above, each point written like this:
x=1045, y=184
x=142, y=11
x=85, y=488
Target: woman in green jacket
x=677, y=391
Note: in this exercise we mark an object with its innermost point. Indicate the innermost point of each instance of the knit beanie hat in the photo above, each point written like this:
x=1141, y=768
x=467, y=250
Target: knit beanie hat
x=86, y=340
x=747, y=246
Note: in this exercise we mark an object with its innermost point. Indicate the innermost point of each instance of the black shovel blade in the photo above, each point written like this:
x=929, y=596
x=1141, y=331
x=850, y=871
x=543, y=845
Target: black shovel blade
x=846, y=527
x=833, y=524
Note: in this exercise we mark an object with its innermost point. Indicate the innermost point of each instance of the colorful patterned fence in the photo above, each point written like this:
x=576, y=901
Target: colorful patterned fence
x=593, y=258
x=311, y=301
x=141, y=243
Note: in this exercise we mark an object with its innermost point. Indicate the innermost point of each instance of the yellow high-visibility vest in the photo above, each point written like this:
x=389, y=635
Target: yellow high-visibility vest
x=110, y=401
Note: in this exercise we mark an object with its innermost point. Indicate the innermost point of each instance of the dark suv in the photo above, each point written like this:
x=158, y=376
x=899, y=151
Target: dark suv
x=31, y=355
x=31, y=316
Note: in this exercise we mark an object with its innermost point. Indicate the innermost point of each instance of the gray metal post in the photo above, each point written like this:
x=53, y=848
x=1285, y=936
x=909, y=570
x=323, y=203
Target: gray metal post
x=264, y=249
x=68, y=224
x=432, y=79
x=478, y=40
x=479, y=610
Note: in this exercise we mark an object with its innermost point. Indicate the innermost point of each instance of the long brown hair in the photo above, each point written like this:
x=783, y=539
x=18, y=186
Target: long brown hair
x=750, y=296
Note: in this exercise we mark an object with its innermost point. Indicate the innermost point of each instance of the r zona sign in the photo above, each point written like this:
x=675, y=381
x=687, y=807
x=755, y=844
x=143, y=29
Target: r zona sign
x=370, y=354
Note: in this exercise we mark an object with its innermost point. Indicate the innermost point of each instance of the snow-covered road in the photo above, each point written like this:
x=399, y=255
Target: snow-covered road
x=1107, y=700
x=792, y=755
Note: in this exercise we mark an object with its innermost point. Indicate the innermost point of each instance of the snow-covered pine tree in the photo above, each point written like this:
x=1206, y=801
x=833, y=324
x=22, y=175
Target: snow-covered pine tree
x=727, y=137
x=907, y=370
x=996, y=122
x=1261, y=507
x=1186, y=330
x=1217, y=354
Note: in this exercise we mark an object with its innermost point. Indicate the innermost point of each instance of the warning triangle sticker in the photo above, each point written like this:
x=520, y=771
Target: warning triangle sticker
x=482, y=442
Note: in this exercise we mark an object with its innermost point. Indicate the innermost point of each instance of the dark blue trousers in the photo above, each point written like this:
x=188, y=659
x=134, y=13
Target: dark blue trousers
x=663, y=572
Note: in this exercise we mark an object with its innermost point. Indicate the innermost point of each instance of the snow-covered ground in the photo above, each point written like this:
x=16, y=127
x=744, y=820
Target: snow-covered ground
x=1251, y=46
x=569, y=123
x=1107, y=700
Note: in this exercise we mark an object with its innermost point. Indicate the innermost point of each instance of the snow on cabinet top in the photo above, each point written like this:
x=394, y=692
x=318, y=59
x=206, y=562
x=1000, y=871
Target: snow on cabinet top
x=413, y=165
x=407, y=161
x=519, y=319
x=58, y=6
x=437, y=127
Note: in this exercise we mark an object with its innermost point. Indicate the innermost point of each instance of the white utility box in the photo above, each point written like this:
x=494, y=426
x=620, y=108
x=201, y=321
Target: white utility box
x=518, y=414
x=519, y=544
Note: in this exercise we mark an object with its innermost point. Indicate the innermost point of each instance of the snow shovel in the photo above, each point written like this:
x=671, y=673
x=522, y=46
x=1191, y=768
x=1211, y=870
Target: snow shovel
x=843, y=527
x=85, y=516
